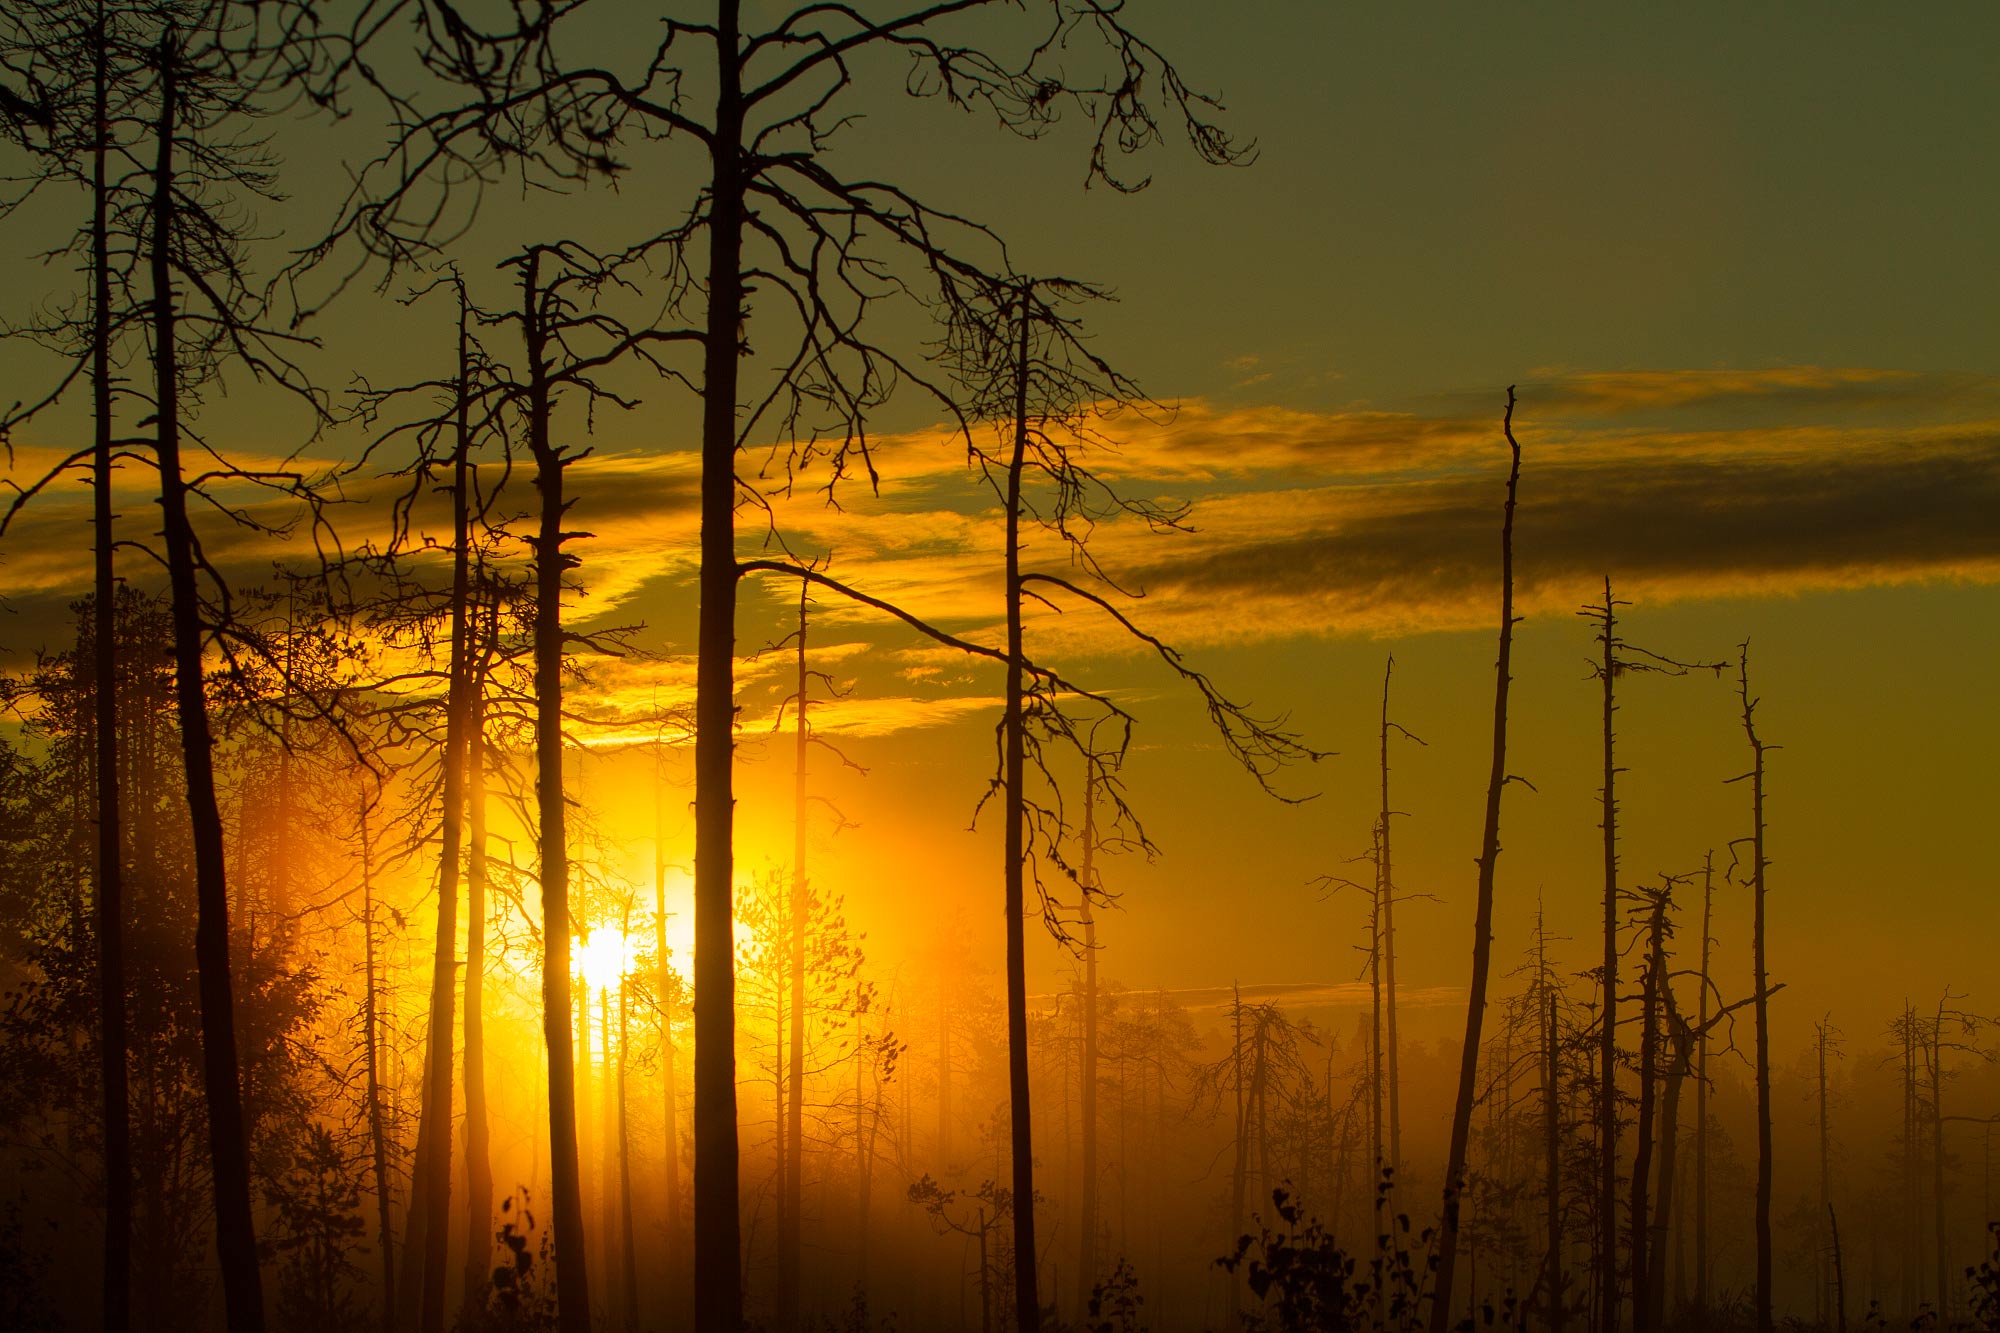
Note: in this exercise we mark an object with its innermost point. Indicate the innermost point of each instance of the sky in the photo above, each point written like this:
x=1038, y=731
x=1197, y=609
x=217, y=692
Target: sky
x=1739, y=265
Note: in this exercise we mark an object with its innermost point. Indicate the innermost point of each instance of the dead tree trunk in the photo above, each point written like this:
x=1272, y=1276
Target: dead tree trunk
x=1607, y=1054
x=478, y=1147
x=670, y=1149
x=1701, y=1089
x=430, y=1212
x=791, y=1149
x=1027, y=1297
x=718, y=1264
x=378, y=1138
x=1940, y=1250
x=566, y=1182
x=1086, y=1262
x=1482, y=929
x=628, y=1250
x=1649, y=1058
x=1552, y=1160
x=229, y=1152
x=110, y=868
x=1761, y=999
x=1388, y=945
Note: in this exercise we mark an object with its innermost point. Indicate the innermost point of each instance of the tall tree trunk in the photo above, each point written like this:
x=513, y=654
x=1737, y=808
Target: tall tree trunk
x=718, y=1263
x=1388, y=948
x=378, y=1137
x=1761, y=1001
x=1377, y=1112
x=1607, y=1055
x=1027, y=1298
x=609, y=1255
x=478, y=1147
x=1943, y=1264
x=1701, y=1089
x=112, y=1041
x=791, y=1151
x=1665, y=1205
x=1552, y=1158
x=1240, y=1171
x=566, y=1182
x=1649, y=1059
x=628, y=1248
x=1482, y=928
x=1825, y=1161
x=670, y=1150
x=430, y=1213
x=229, y=1149
x=1086, y=1261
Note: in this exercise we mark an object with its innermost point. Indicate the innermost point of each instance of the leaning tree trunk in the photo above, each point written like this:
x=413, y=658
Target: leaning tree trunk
x=718, y=1279
x=572, y=1273
x=229, y=1151
x=1027, y=1297
x=430, y=1213
x=1482, y=929
x=104, y=627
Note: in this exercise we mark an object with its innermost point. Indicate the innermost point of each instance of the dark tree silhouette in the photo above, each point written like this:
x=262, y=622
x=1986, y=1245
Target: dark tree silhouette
x=1759, y=988
x=1482, y=927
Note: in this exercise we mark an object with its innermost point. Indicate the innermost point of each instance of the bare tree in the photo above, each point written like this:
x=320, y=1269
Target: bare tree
x=1760, y=988
x=1482, y=923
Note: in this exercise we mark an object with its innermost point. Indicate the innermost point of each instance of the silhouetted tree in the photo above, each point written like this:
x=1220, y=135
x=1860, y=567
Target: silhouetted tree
x=1482, y=927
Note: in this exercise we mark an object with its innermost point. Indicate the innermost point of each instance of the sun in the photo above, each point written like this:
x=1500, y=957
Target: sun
x=603, y=959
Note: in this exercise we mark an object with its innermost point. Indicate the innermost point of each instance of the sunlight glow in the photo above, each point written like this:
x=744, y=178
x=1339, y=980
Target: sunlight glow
x=603, y=958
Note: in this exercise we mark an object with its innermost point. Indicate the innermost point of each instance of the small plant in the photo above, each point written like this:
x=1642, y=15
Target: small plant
x=1985, y=1280
x=1115, y=1304
x=523, y=1298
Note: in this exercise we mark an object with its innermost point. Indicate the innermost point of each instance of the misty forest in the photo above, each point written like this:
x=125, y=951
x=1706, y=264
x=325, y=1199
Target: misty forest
x=704, y=667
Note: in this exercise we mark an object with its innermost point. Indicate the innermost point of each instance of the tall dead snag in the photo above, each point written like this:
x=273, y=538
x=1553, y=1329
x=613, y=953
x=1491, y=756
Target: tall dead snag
x=1086, y=879
x=1760, y=980
x=1701, y=1087
x=430, y=1211
x=1482, y=925
x=193, y=255
x=669, y=999
x=565, y=341
x=1386, y=892
x=371, y=1027
x=1052, y=389
x=1617, y=658
x=478, y=1150
x=110, y=873
x=1656, y=1002
x=538, y=315
x=1607, y=1055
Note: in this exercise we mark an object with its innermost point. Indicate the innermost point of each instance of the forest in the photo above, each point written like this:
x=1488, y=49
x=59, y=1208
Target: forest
x=619, y=711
